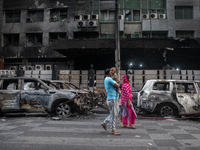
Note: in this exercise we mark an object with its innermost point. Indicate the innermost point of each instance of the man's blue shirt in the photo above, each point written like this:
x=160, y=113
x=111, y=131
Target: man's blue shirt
x=110, y=89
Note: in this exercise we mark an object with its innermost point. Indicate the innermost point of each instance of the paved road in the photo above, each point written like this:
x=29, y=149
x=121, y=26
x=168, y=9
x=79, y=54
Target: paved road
x=21, y=133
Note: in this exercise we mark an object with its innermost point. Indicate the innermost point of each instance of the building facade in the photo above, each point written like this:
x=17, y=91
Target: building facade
x=72, y=34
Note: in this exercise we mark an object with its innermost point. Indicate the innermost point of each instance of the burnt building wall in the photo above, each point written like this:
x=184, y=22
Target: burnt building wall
x=141, y=21
x=33, y=36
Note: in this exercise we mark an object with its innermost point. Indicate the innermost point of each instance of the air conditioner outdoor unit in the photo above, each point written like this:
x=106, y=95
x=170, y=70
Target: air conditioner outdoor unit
x=30, y=67
x=86, y=17
x=48, y=67
x=4, y=73
x=81, y=24
x=92, y=23
x=78, y=17
x=39, y=67
x=121, y=17
x=29, y=20
x=145, y=16
x=12, y=73
x=53, y=19
x=21, y=67
x=94, y=17
x=13, y=68
x=162, y=16
x=154, y=16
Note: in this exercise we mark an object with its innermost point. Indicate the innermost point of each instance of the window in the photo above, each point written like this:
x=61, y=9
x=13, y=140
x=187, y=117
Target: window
x=30, y=84
x=161, y=86
x=35, y=16
x=130, y=4
x=184, y=34
x=183, y=12
x=11, y=40
x=136, y=35
x=107, y=15
x=12, y=16
x=58, y=15
x=136, y=15
x=10, y=84
x=153, y=8
x=153, y=4
x=127, y=15
x=107, y=36
x=55, y=36
x=185, y=88
x=34, y=39
x=155, y=34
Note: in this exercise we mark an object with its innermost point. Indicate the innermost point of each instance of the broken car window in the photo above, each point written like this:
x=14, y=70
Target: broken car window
x=30, y=84
x=161, y=86
x=10, y=84
x=185, y=88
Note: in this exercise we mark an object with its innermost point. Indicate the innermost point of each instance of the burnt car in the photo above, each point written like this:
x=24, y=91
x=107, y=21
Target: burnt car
x=170, y=97
x=98, y=96
x=27, y=94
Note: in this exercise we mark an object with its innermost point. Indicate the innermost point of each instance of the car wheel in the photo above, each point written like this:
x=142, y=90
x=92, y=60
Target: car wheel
x=167, y=110
x=63, y=110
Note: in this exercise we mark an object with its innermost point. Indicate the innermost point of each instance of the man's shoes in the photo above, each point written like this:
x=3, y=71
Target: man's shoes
x=104, y=126
x=115, y=132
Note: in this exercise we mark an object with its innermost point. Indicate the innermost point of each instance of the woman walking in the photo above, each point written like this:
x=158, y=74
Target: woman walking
x=128, y=114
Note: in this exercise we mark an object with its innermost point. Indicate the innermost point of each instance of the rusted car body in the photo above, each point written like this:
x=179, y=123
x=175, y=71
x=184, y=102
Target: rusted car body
x=22, y=94
x=170, y=97
x=96, y=97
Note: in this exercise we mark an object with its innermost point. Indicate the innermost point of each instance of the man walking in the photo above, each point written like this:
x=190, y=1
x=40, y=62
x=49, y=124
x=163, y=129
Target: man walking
x=112, y=102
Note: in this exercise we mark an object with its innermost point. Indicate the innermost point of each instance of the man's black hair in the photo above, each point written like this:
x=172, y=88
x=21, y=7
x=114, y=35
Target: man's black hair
x=107, y=71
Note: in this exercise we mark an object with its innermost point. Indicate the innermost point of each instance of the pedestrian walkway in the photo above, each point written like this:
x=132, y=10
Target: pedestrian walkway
x=87, y=133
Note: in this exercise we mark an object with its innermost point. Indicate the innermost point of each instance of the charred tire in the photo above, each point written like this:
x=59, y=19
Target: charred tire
x=63, y=110
x=167, y=110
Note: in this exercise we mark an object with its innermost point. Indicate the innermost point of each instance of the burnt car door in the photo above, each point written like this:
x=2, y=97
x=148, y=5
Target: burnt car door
x=160, y=93
x=9, y=94
x=188, y=97
x=34, y=95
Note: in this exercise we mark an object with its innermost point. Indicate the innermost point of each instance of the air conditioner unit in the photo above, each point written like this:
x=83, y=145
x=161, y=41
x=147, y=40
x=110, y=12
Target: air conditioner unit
x=4, y=73
x=13, y=68
x=92, y=23
x=86, y=17
x=30, y=67
x=53, y=19
x=39, y=67
x=154, y=16
x=145, y=16
x=95, y=17
x=78, y=17
x=29, y=20
x=162, y=16
x=81, y=24
x=48, y=67
x=12, y=73
x=21, y=67
x=121, y=17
